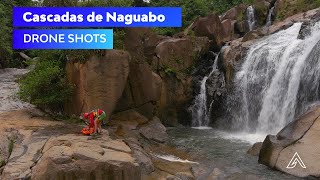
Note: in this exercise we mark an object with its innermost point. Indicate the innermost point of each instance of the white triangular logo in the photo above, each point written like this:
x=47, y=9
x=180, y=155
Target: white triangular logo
x=295, y=159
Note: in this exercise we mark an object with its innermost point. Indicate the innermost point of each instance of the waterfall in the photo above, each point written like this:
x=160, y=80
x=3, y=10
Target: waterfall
x=278, y=81
x=250, y=17
x=200, y=114
x=269, y=17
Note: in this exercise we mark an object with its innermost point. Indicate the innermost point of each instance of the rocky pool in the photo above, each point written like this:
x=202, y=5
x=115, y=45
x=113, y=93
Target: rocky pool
x=225, y=153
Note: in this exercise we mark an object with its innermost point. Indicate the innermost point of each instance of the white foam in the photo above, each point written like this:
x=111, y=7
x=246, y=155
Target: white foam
x=173, y=158
x=244, y=137
x=202, y=127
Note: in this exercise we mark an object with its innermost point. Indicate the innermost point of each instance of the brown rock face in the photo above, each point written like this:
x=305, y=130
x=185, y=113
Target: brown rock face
x=228, y=27
x=255, y=149
x=250, y=36
x=142, y=90
x=140, y=43
x=261, y=11
x=175, y=60
x=231, y=58
x=235, y=13
x=242, y=27
x=211, y=27
x=154, y=130
x=143, y=86
x=74, y=157
x=300, y=136
x=99, y=82
x=180, y=54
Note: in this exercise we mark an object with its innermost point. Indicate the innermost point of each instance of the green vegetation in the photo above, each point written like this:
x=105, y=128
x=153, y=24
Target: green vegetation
x=10, y=146
x=2, y=163
x=46, y=85
x=294, y=7
x=170, y=71
x=6, y=53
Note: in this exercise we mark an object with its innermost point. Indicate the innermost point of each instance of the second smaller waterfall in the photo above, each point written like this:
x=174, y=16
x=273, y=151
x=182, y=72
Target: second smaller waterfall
x=250, y=18
x=200, y=111
x=269, y=18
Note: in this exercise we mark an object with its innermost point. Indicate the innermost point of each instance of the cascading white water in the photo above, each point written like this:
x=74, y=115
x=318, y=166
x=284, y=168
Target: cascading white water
x=250, y=18
x=278, y=80
x=200, y=115
x=269, y=17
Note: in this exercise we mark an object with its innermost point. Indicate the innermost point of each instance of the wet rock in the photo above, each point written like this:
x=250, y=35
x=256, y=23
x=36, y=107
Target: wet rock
x=242, y=27
x=250, y=36
x=211, y=27
x=214, y=175
x=184, y=176
x=241, y=176
x=99, y=82
x=172, y=177
x=255, y=149
x=306, y=26
x=178, y=169
x=230, y=59
x=142, y=157
x=298, y=136
x=154, y=130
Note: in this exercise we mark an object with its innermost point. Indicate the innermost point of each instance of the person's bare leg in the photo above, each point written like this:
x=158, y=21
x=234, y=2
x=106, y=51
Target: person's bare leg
x=95, y=126
x=100, y=124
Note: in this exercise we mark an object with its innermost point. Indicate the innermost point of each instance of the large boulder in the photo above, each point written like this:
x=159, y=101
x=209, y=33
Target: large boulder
x=154, y=131
x=74, y=157
x=176, y=58
x=235, y=13
x=140, y=43
x=300, y=136
x=180, y=54
x=228, y=27
x=231, y=58
x=99, y=82
x=255, y=149
x=211, y=27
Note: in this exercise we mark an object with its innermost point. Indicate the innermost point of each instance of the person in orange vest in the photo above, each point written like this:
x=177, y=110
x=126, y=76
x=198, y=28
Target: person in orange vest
x=95, y=118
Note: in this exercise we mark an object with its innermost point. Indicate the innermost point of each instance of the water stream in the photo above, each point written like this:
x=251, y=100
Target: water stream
x=200, y=111
x=269, y=17
x=250, y=18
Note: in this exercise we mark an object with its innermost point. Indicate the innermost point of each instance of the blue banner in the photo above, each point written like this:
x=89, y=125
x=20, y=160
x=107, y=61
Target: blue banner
x=63, y=39
x=97, y=17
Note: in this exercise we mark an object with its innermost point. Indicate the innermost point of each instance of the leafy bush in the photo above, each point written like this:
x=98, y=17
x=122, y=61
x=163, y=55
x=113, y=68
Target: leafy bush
x=6, y=51
x=46, y=86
